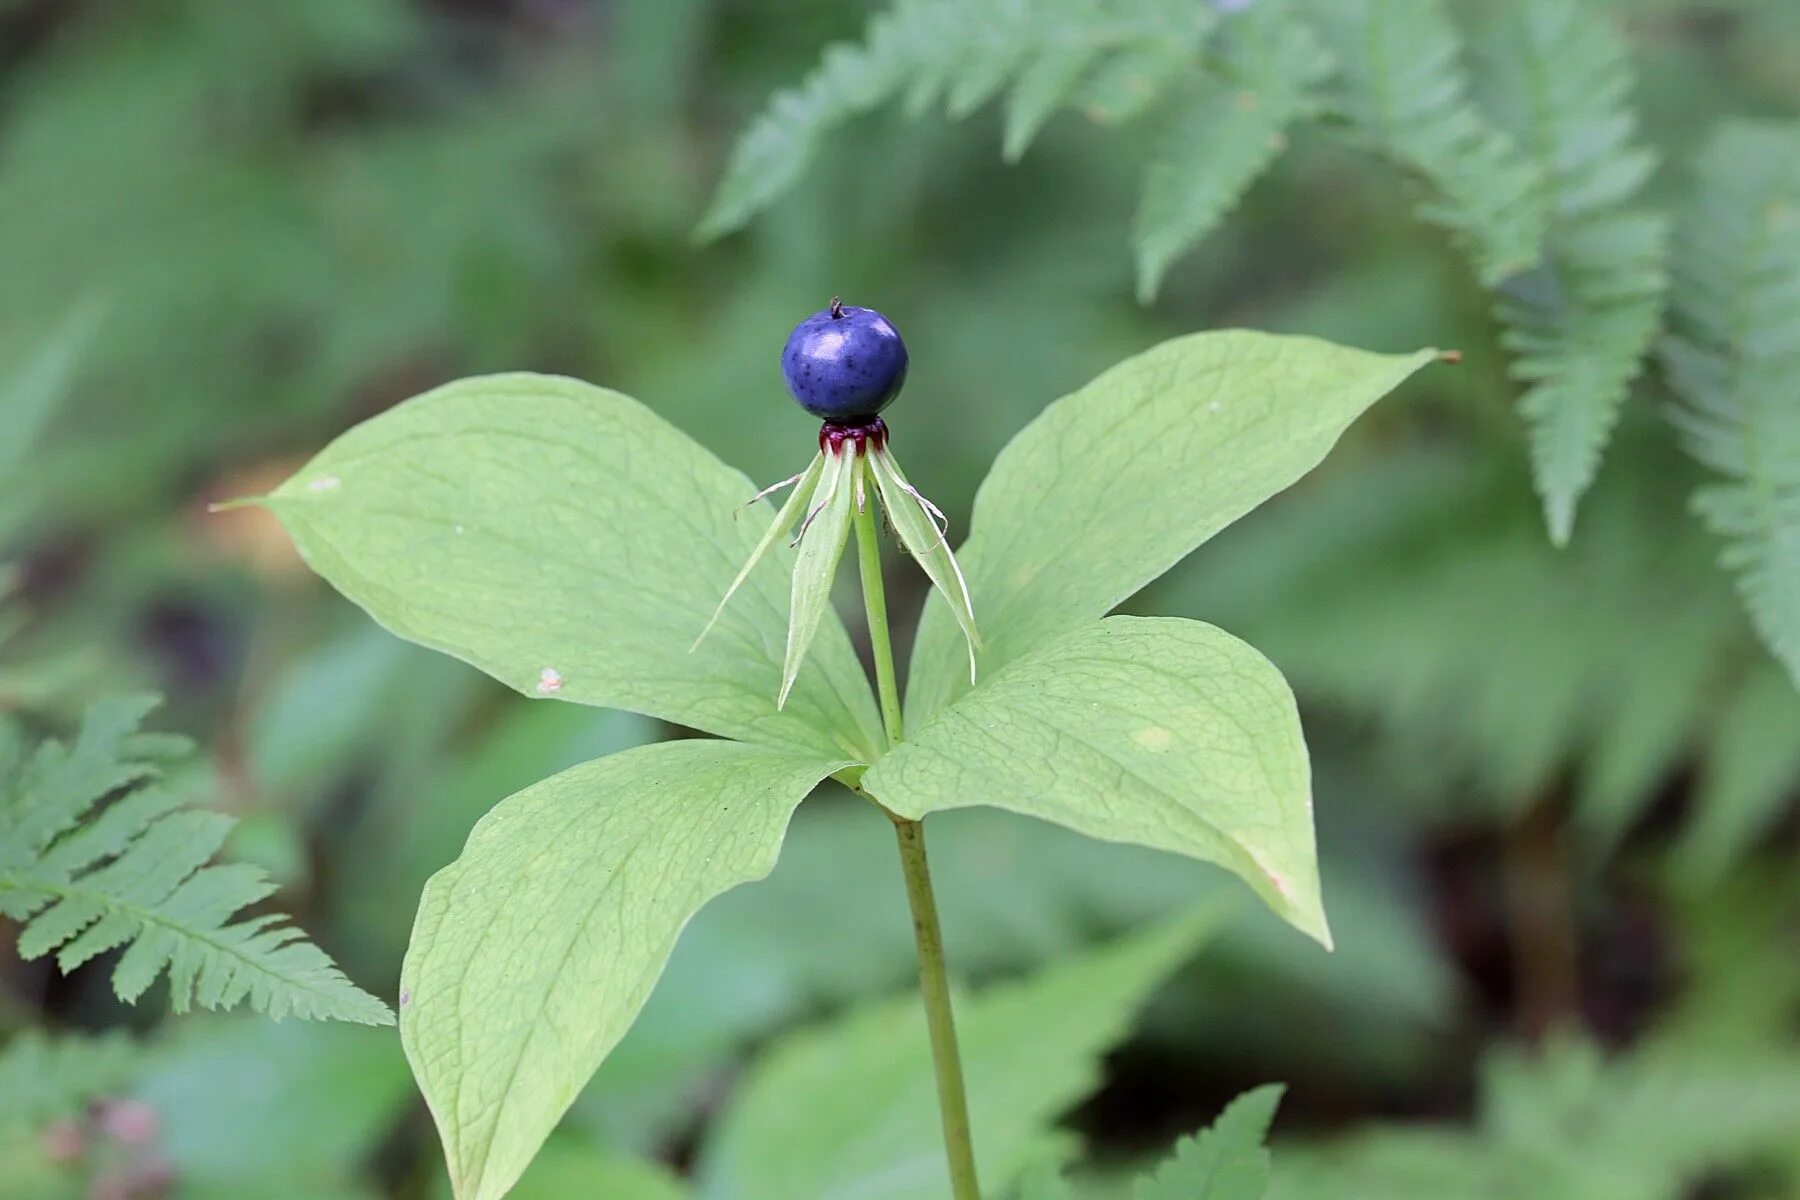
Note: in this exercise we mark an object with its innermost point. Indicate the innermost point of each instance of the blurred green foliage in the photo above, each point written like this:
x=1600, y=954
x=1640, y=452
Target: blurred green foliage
x=229, y=231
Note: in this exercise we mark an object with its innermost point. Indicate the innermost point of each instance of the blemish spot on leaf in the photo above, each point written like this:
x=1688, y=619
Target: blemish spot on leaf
x=550, y=681
x=1275, y=876
x=405, y=997
x=1154, y=738
x=1213, y=406
x=324, y=483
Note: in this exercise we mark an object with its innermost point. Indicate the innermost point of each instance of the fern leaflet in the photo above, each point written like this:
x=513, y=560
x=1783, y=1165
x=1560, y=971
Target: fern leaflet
x=1225, y=134
x=1580, y=322
x=94, y=856
x=964, y=53
x=1223, y=1162
x=1567, y=1124
x=1734, y=357
x=1402, y=87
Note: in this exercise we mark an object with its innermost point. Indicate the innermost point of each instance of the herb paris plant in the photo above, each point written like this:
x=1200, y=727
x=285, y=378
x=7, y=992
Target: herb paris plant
x=572, y=544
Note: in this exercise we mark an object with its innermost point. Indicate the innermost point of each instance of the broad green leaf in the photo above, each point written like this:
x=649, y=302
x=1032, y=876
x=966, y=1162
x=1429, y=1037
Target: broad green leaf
x=533, y=952
x=571, y=543
x=822, y=537
x=1225, y=1161
x=850, y=1109
x=1157, y=731
x=1114, y=484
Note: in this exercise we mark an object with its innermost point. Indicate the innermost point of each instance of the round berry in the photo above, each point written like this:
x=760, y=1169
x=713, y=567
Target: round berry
x=844, y=364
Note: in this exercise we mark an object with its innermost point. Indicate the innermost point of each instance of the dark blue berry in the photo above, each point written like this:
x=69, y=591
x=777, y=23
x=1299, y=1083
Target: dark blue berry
x=844, y=364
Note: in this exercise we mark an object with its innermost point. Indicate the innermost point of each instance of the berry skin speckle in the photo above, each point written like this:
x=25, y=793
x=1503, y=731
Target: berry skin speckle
x=844, y=364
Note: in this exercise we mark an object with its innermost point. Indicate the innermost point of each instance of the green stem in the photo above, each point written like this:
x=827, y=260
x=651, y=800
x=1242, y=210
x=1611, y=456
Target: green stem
x=934, y=982
x=934, y=985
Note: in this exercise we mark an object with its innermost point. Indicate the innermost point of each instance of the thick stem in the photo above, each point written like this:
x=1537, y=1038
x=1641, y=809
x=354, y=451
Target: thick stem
x=934, y=982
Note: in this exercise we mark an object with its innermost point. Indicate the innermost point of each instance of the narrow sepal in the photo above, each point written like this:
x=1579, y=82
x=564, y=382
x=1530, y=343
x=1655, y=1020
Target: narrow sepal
x=922, y=530
x=822, y=538
x=805, y=485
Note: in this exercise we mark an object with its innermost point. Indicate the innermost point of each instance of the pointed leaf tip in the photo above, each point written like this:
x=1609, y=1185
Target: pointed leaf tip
x=1058, y=536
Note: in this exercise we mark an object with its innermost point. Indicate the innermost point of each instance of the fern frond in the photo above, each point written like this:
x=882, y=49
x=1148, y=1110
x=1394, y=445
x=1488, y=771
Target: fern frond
x=1402, y=87
x=1225, y=134
x=1565, y=1123
x=1125, y=85
x=963, y=53
x=1225, y=1161
x=1748, y=777
x=44, y=1078
x=94, y=856
x=1734, y=357
x=1580, y=322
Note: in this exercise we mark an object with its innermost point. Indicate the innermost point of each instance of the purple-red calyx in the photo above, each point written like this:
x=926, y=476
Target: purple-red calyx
x=860, y=436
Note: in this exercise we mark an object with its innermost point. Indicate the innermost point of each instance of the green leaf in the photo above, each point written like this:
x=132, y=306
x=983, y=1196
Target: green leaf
x=965, y=51
x=1126, y=84
x=774, y=151
x=570, y=543
x=850, y=1108
x=1112, y=485
x=1747, y=776
x=1224, y=135
x=1156, y=731
x=1403, y=87
x=83, y=878
x=1566, y=1123
x=1734, y=356
x=1579, y=324
x=822, y=538
x=533, y=952
x=1223, y=1162
x=1041, y=88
